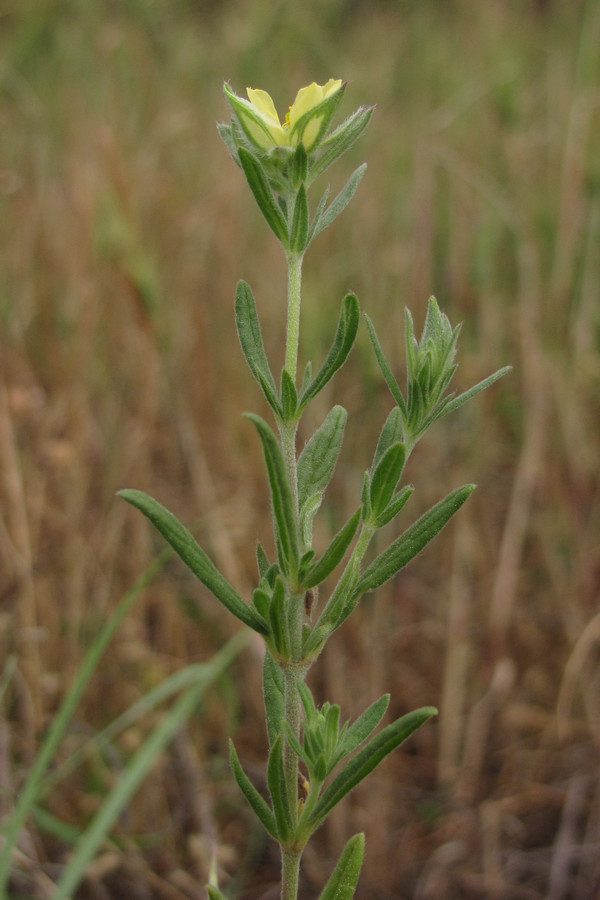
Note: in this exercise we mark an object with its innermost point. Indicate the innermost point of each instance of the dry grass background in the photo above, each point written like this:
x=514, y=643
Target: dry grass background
x=123, y=230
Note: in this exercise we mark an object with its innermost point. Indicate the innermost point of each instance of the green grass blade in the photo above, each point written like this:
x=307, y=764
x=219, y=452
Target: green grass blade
x=120, y=795
x=173, y=684
x=29, y=794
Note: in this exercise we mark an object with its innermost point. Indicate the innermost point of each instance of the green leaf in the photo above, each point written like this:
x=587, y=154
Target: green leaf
x=406, y=547
x=385, y=478
x=257, y=802
x=334, y=553
x=250, y=337
x=194, y=557
x=278, y=620
x=273, y=687
x=397, y=503
x=385, y=369
x=317, y=461
x=391, y=433
x=339, y=203
x=360, y=730
x=259, y=185
x=342, y=344
x=281, y=497
x=262, y=561
x=367, y=759
x=278, y=790
x=289, y=398
x=299, y=231
x=340, y=140
x=454, y=403
x=317, y=216
x=344, y=878
x=308, y=511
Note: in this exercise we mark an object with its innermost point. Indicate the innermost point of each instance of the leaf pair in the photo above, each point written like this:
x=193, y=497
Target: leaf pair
x=287, y=406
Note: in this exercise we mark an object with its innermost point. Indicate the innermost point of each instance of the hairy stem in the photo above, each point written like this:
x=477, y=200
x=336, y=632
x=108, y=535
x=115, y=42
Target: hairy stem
x=290, y=870
x=293, y=313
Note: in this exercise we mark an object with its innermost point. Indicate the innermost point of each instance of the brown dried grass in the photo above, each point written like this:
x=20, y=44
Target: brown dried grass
x=124, y=229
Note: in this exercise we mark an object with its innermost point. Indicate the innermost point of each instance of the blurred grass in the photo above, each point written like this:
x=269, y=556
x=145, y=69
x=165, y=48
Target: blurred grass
x=123, y=229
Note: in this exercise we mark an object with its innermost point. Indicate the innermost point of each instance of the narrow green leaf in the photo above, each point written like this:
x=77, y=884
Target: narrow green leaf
x=299, y=230
x=397, y=503
x=278, y=620
x=278, y=790
x=317, y=216
x=289, y=397
x=194, y=557
x=257, y=802
x=406, y=547
x=360, y=730
x=457, y=402
x=294, y=743
x=334, y=553
x=250, y=337
x=283, y=506
x=308, y=511
x=262, y=561
x=385, y=369
x=391, y=433
x=273, y=687
x=305, y=564
x=340, y=140
x=318, y=459
x=339, y=203
x=344, y=878
x=367, y=759
x=342, y=344
x=385, y=478
x=259, y=185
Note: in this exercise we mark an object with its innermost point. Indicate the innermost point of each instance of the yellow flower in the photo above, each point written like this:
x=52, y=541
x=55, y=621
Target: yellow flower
x=289, y=134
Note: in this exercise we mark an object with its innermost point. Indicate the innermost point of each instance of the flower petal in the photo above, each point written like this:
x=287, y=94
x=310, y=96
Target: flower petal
x=264, y=103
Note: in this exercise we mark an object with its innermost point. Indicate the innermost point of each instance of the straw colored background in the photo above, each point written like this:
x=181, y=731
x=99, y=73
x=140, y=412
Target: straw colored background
x=124, y=226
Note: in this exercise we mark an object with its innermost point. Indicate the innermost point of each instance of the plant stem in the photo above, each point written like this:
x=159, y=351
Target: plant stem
x=290, y=870
x=293, y=673
x=293, y=313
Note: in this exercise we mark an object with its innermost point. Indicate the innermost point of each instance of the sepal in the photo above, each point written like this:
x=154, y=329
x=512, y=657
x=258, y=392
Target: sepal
x=259, y=185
